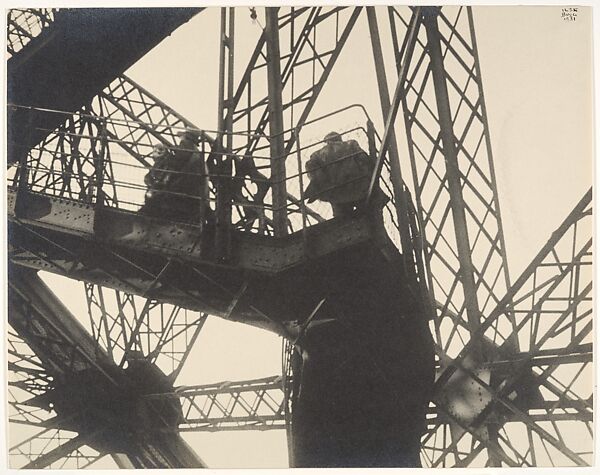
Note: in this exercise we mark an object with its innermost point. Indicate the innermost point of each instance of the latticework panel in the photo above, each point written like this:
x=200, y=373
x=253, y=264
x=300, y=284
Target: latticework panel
x=241, y=405
x=55, y=449
x=436, y=198
x=24, y=24
x=532, y=408
x=68, y=161
x=122, y=323
x=28, y=382
x=35, y=437
x=310, y=42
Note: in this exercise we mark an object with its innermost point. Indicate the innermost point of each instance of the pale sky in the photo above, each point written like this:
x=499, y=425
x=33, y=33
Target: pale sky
x=537, y=81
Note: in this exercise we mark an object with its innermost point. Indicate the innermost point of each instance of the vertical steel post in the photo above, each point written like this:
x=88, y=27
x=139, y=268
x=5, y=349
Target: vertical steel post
x=99, y=166
x=221, y=98
x=23, y=172
x=230, y=60
x=453, y=173
x=301, y=184
x=411, y=38
x=225, y=138
x=274, y=86
x=395, y=170
x=513, y=338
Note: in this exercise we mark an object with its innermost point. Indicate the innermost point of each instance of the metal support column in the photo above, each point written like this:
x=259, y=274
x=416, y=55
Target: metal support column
x=99, y=164
x=394, y=158
x=23, y=174
x=452, y=170
x=225, y=138
x=277, y=148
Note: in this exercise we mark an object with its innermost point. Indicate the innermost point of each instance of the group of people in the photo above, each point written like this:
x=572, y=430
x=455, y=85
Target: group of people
x=177, y=184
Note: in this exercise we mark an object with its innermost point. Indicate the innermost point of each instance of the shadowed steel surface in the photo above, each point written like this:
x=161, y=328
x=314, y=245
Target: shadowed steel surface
x=513, y=361
x=78, y=379
x=78, y=53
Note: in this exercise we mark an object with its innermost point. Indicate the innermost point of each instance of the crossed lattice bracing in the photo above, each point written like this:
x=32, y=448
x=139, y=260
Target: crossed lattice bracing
x=535, y=334
x=242, y=405
x=562, y=372
x=25, y=24
x=29, y=380
x=311, y=40
x=42, y=443
x=476, y=173
x=106, y=144
x=39, y=386
x=552, y=304
x=53, y=448
x=122, y=323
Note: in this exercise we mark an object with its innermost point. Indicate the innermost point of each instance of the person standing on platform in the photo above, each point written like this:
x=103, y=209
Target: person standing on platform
x=339, y=174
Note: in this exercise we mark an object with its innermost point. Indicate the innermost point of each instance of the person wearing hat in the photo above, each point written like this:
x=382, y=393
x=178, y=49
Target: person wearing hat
x=339, y=174
x=155, y=200
x=188, y=179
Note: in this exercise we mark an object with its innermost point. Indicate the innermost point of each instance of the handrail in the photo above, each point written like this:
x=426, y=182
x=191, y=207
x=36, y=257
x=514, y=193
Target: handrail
x=203, y=132
x=251, y=211
x=143, y=187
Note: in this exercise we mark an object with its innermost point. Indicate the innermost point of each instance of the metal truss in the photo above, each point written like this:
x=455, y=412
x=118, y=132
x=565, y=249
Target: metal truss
x=302, y=40
x=48, y=351
x=137, y=119
x=514, y=361
x=53, y=448
x=241, y=405
x=457, y=200
x=542, y=396
x=40, y=358
x=105, y=145
x=117, y=130
x=127, y=118
x=74, y=161
x=56, y=344
x=24, y=24
x=305, y=44
x=28, y=383
x=454, y=182
x=454, y=185
x=122, y=323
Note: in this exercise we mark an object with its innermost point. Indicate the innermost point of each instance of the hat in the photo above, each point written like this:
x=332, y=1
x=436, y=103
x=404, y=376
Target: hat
x=159, y=151
x=333, y=137
x=193, y=134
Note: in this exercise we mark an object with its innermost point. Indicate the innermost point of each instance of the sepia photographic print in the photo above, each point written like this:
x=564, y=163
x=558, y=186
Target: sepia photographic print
x=309, y=236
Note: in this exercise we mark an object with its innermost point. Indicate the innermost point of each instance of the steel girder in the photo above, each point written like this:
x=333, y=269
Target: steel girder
x=565, y=263
x=472, y=280
x=454, y=438
x=552, y=301
x=296, y=31
x=78, y=41
x=164, y=334
x=46, y=335
x=256, y=404
x=454, y=184
x=24, y=24
x=66, y=165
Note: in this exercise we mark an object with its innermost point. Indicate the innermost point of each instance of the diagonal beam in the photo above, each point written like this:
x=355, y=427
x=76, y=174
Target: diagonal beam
x=452, y=172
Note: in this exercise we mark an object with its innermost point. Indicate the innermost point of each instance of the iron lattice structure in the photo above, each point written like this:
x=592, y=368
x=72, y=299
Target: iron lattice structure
x=514, y=357
x=25, y=24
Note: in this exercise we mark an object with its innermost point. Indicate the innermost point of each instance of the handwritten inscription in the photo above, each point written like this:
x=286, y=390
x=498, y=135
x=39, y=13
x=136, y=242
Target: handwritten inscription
x=569, y=13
